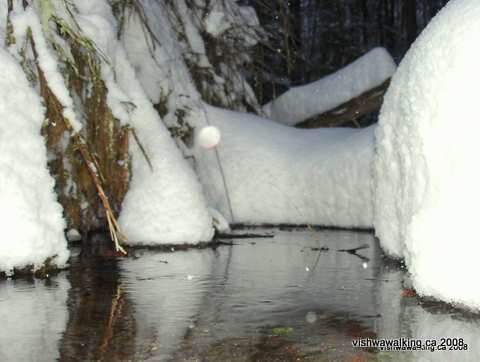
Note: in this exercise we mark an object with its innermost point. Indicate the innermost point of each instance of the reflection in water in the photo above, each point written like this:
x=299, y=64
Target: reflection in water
x=409, y=318
x=33, y=316
x=302, y=294
x=101, y=326
x=167, y=290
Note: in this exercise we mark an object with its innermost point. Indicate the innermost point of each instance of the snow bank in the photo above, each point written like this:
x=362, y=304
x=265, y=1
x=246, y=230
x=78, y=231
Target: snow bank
x=31, y=221
x=426, y=166
x=301, y=103
x=164, y=203
x=277, y=174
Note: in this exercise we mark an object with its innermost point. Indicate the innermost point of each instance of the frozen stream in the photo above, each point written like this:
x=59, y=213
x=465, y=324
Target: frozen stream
x=293, y=296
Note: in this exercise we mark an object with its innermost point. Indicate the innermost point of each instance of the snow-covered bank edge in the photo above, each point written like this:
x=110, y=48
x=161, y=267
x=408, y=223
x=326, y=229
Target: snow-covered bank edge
x=303, y=102
x=31, y=221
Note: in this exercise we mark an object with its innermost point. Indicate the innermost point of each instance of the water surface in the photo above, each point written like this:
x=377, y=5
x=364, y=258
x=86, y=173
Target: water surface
x=299, y=295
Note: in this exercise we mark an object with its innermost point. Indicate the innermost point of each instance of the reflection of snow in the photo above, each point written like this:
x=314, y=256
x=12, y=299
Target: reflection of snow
x=33, y=316
x=268, y=283
x=404, y=317
x=166, y=291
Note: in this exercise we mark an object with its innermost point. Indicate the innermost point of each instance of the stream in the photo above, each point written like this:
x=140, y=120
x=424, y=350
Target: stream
x=293, y=294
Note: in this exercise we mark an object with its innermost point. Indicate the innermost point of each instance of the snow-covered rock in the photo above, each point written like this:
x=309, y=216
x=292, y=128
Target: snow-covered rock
x=31, y=221
x=427, y=164
x=277, y=174
x=303, y=102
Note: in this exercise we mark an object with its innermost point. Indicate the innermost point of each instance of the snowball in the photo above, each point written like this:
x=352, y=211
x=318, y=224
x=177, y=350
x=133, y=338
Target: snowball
x=208, y=137
x=427, y=162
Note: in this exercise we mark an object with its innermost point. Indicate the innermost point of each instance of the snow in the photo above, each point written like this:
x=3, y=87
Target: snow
x=176, y=37
x=276, y=174
x=30, y=217
x=164, y=72
x=219, y=222
x=164, y=204
x=303, y=102
x=24, y=19
x=427, y=181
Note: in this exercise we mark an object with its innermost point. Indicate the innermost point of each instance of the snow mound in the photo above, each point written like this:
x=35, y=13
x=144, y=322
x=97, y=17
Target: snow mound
x=426, y=166
x=31, y=219
x=164, y=203
x=303, y=102
x=276, y=174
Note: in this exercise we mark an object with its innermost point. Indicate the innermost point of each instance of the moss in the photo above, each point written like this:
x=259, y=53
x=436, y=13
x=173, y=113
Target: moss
x=107, y=140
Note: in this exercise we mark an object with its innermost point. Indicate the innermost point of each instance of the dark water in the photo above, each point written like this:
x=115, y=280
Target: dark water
x=293, y=297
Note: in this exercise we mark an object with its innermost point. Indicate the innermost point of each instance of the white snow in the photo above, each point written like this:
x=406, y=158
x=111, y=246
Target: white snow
x=303, y=102
x=163, y=71
x=276, y=174
x=31, y=220
x=219, y=222
x=24, y=19
x=427, y=170
x=164, y=204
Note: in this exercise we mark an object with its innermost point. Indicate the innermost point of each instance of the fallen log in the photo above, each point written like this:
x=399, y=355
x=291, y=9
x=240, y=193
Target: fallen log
x=350, y=111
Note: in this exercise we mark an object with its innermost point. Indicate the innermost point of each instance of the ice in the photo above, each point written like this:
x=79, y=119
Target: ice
x=427, y=180
x=303, y=102
x=270, y=173
x=31, y=220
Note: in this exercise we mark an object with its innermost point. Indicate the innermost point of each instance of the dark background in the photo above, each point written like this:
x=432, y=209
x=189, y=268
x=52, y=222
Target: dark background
x=307, y=39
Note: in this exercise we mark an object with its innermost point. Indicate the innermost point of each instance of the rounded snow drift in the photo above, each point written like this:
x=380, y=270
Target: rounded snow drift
x=208, y=137
x=427, y=169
